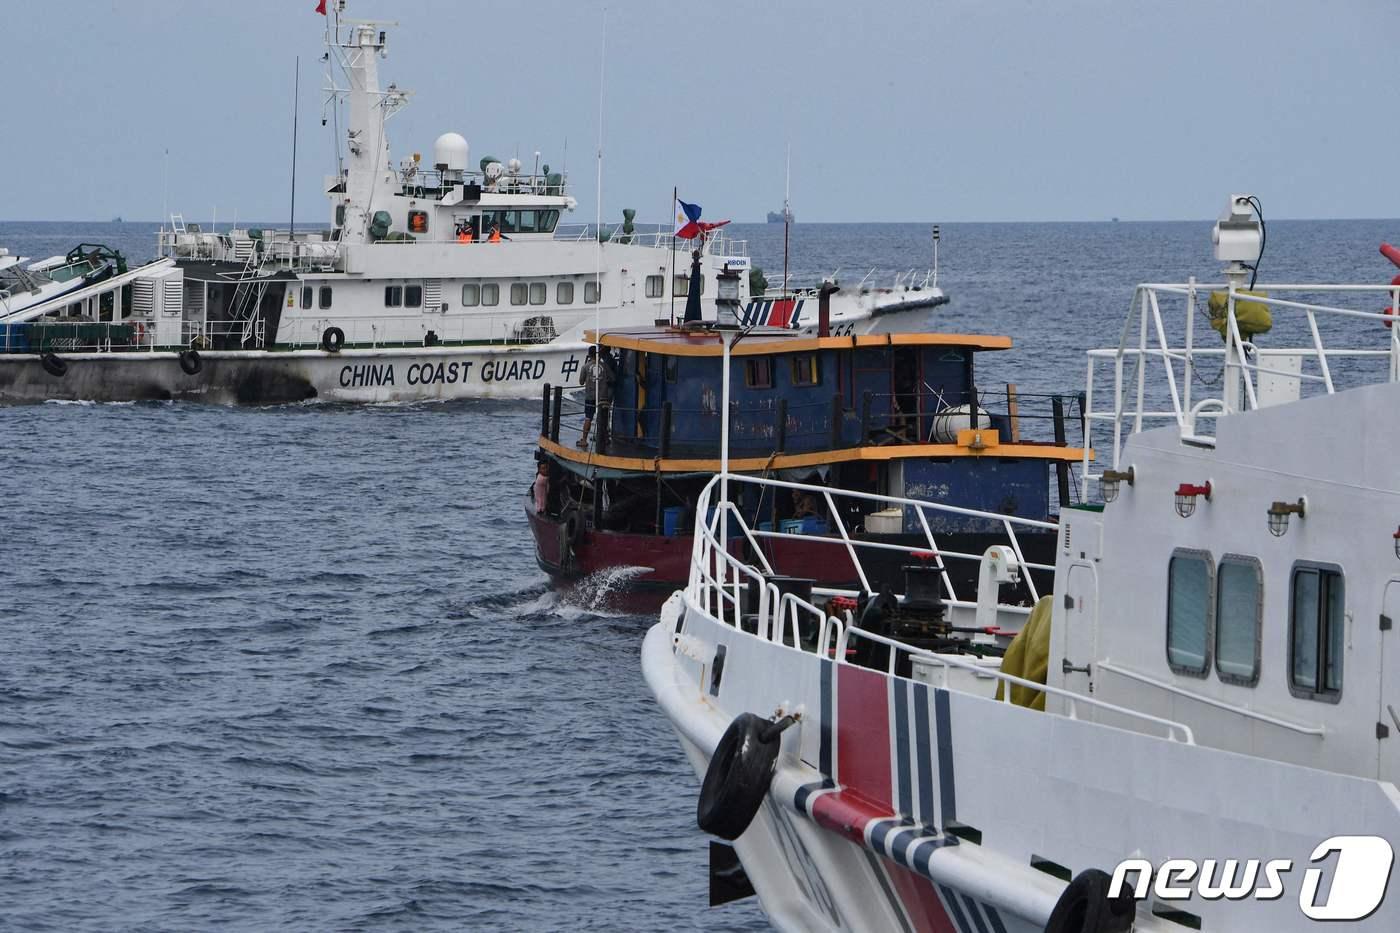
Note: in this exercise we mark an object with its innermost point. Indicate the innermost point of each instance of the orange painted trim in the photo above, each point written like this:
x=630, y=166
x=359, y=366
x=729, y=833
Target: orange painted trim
x=788, y=461
x=706, y=344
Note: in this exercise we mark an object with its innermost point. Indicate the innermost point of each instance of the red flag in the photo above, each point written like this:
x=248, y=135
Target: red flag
x=321, y=7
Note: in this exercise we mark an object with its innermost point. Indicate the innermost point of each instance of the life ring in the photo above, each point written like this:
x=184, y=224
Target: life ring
x=53, y=365
x=736, y=782
x=1084, y=906
x=190, y=362
x=333, y=339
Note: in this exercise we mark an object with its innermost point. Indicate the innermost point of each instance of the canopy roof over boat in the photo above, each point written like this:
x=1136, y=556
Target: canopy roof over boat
x=677, y=341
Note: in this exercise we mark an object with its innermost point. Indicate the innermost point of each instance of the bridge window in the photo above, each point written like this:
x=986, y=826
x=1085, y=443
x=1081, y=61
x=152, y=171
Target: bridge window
x=490, y=294
x=564, y=294
x=656, y=286
x=519, y=293
x=804, y=370
x=546, y=220
x=471, y=296
x=325, y=297
x=413, y=296
x=306, y=296
x=393, y=296
x=758, y=373
x=1316, y=632
x=1239, y=589
x=1190, y=594
x=538, y=292
x=590, y=293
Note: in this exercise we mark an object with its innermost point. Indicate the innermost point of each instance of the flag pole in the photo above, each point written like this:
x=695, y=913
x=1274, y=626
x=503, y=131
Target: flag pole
x=675, y=197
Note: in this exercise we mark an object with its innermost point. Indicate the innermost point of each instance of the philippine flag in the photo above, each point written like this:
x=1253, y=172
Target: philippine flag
x=692, y=225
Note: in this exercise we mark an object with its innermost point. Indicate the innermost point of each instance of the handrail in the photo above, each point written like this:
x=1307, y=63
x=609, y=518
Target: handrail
x=1145, y=339
x=1210, y=701
x=709, y=592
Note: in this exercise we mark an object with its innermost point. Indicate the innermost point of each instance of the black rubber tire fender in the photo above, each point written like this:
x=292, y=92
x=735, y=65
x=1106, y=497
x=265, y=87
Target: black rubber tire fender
x=572, y=523
x=53, y=365
x=431, y=339
x=879, y=610
x=190, y=362
x=332, y=339
x=1084, y=906
x=736, y=782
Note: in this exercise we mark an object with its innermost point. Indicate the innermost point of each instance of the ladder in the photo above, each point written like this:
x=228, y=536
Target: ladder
x=247, y=296
x=177, y=223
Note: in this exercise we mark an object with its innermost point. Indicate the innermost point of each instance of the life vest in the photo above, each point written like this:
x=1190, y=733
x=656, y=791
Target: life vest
x=496, y=236
x=464, y=237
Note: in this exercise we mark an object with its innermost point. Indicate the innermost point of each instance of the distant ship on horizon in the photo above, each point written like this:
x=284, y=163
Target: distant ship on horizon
x=777, y=217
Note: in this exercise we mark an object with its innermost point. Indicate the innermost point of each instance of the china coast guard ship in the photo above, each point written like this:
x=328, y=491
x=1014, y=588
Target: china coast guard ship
x=434, y=281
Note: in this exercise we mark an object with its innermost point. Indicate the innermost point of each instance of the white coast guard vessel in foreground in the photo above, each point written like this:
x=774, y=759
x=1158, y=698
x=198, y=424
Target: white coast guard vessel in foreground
x=1200, y=729
x=437, y=280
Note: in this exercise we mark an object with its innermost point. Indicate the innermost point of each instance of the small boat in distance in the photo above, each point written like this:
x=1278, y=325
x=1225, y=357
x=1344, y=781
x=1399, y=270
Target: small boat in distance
x=783, y=216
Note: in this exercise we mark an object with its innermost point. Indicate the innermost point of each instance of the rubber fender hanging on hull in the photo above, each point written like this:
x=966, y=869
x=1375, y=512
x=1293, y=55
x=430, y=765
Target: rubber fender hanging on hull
x=739, y=774
x=1085, y=907
x=190, y=362
x=53, y=365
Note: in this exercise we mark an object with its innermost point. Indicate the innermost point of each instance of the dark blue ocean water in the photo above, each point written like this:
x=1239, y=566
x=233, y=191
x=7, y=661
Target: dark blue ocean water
x=295, y=667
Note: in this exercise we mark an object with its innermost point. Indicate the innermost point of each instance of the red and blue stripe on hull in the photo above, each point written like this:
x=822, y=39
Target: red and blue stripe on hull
x=886, y=750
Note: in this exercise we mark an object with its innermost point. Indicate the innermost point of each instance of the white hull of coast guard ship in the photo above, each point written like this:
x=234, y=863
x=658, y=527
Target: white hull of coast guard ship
x=1200, y=729
x=434, y=281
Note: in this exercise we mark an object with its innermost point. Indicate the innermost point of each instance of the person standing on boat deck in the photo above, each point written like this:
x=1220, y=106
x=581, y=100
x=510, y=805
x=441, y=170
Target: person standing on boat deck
x=597, y=379
x=541, y=487
x=495, y=234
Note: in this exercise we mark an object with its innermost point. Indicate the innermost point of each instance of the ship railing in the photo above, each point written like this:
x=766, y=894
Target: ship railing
x=423, y=183
x=1198, y=376
x=414, y=328
x=304, y=251
x=716, y=244
x=131, y=335
x=719, y=581
x=808, y=285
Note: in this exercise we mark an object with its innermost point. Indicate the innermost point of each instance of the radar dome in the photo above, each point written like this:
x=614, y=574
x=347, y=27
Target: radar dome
x=493, y=171
x=513, y=166
x=450, y=153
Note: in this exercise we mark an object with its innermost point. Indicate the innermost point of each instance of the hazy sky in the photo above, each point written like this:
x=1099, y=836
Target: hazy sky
x=906, y=110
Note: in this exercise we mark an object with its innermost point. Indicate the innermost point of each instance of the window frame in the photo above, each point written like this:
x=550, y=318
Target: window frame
x=306, y=291
x=656, y=286
x=542, y=290
x=816, y=379
x=751, y=365
x=1242, y=560
x=324, y=296
x=393, y=296
x=523, y=290
x=594, y=286
x=475, y=302
x=1208, y=659
x=493, y=289
x=1321, y=693
x=559, y=293
x=408, y=292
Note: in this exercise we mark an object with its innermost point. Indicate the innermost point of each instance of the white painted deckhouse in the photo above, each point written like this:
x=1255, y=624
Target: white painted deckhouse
x=442, y=276
x=1191, y=721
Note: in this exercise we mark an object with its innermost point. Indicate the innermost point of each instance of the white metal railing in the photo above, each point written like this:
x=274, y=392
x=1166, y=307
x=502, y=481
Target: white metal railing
x=716, y=244
x=1249, y=374
x=718, y=580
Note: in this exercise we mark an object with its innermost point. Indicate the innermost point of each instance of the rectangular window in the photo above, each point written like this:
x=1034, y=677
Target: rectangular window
x=655, y=285
x=413, y=296
x=758, y=373
x=490, y=294
x=590, y=293
x=471, y=296
x=1317, y=630
x=525, y=222
x=417, y=221
x=393, y=296
x=519, y=293
x=325, y=297
x=538, y=291
x=680, y=285
x=1190, y=594
x=1239, y=588
x=804, y=370
x=306, y=296
x=509, y=221
x=547, y=220
x=564, y=294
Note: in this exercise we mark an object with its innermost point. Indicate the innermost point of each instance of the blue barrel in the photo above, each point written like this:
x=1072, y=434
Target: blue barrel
x=671, y=520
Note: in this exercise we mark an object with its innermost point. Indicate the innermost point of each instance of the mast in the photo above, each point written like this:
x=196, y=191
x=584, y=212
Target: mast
x=787, y=216
x=296, y=111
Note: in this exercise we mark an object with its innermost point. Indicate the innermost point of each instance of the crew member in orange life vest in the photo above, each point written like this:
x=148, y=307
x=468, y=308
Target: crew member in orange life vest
x=495, y=234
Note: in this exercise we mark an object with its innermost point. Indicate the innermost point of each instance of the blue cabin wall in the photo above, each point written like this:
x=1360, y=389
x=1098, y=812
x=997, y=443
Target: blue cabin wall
x=1007, y=486
x=901, y=380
